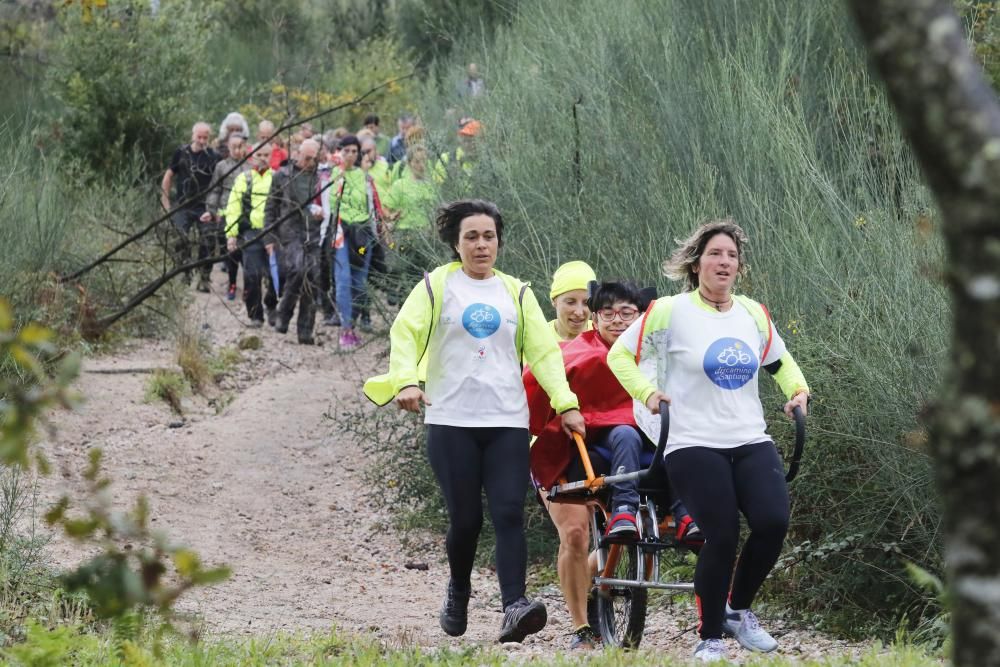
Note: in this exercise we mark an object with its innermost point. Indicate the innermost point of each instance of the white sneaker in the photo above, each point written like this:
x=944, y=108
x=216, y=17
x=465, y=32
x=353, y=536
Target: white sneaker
x=744, y=626
x=711, y=650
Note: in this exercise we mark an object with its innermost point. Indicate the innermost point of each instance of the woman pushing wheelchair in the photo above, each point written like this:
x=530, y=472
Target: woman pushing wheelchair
x=700, y=351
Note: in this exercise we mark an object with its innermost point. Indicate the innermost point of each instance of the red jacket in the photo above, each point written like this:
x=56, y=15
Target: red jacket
x=603, y=402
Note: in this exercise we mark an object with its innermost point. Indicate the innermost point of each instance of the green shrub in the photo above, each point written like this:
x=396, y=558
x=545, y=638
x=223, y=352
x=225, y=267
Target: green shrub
x=169, y=387
x=249, y=343
x=224, y=361
x=27, y=581
x=53, y=220
x=612, y=130
x=124, y=82
x=193, y=359
x=343, y=76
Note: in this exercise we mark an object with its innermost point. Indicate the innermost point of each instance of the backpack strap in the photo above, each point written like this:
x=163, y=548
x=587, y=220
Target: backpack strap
x=642, y=329
x=246, y=206
x=762, y=318
x=427, y=284
x=430, y=329
x=770, y=333
x=520, y=318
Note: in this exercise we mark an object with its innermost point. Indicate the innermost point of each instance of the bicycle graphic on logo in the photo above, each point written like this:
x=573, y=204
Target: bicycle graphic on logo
x=480, y=316
x=730, y=363
x=481, y=320
x=732, y=356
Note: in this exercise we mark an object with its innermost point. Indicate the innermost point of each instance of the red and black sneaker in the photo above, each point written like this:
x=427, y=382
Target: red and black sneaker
x=623, y=525
x=688, y=531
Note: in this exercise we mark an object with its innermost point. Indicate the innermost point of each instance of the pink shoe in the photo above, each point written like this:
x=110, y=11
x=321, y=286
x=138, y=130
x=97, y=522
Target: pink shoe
x=349, y=340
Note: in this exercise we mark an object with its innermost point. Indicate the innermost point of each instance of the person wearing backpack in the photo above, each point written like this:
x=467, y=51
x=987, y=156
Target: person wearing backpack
x=355, y=241
x=244, y=216
x=466, y=330
x=700, y=351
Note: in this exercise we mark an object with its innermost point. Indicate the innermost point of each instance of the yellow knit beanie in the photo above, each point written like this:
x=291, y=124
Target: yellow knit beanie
x=571, y=276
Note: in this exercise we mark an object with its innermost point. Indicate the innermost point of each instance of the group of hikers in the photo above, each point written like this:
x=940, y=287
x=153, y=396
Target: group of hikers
x=309, y=216
x=503, y=390
x=471, y=348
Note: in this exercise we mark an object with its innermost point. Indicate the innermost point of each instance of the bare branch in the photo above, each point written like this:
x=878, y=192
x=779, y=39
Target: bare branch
x=151, y=288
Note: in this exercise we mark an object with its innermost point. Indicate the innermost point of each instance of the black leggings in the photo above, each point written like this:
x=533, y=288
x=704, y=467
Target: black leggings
x=466, y=461
x=716, y=485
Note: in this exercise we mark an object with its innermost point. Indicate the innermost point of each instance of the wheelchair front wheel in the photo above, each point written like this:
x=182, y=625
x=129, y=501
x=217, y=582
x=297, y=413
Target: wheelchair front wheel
x=618, y=613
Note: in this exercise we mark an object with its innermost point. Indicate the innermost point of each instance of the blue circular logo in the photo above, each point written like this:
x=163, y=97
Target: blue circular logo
x=480, y=320
x=730, y=363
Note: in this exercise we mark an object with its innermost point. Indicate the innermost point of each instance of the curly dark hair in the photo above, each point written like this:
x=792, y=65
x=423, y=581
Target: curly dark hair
x=450, y=217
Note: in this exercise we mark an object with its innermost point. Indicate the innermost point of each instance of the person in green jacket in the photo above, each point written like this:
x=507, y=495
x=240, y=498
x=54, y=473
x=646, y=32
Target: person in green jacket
x=353, y=246
x=407, y=205
x=466, y=330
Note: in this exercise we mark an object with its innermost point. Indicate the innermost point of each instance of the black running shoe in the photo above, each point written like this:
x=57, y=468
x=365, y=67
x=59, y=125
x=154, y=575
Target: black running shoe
x=521, y=618
x=454, y=612
x=584, y=638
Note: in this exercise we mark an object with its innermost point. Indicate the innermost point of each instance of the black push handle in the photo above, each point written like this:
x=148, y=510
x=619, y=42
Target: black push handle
x=661, y=443
x=800, y=441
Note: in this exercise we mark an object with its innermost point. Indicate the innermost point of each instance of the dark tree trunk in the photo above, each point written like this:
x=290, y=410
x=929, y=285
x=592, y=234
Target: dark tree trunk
x=952, y=118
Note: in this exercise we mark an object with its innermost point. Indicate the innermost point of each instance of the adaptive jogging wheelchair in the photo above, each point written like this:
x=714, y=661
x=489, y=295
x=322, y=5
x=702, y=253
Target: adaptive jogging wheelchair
x=627, y=570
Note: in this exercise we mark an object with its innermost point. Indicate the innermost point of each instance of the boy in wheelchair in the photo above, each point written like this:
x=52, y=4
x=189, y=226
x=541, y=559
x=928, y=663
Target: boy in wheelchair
x=614, y=444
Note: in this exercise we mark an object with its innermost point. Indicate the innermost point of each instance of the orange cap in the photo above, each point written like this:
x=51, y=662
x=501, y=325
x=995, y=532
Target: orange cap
x=471, y=129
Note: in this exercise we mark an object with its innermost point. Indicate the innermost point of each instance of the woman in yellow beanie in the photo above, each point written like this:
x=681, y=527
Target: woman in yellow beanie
x=569, y=294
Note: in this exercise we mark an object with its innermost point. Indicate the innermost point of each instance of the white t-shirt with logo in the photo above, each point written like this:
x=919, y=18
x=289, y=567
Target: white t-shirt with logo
x=474, y=374
x=711, y=362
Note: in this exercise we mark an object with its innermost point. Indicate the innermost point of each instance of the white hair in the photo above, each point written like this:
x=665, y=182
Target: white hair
x=232, y=119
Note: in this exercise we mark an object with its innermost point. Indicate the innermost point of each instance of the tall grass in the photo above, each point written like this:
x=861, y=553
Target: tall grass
x=761, y=110
x=55, y=218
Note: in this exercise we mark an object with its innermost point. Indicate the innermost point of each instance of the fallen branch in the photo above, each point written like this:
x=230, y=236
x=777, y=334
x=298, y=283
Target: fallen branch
x=102, y=324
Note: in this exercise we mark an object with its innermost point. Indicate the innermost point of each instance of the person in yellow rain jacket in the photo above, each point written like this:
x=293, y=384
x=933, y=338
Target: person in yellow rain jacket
x=244, y=216
x=466, y=330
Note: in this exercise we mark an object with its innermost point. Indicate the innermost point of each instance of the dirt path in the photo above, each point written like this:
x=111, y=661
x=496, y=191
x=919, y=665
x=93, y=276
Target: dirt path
x=267, y=487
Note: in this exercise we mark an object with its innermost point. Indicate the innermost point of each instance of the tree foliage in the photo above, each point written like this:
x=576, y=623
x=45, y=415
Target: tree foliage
x=32, y=379
x=433, y=28
x=124, y=82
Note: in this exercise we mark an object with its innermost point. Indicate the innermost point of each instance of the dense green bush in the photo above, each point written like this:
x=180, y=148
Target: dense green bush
x=124, y=82
x=613, y=129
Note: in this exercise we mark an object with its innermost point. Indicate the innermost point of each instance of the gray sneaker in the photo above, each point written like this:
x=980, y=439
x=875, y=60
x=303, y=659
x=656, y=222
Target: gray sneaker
x=748, y=631
x=522, y=618
x=711, y=650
